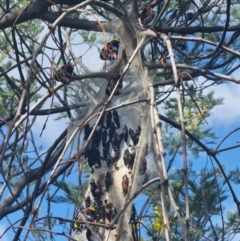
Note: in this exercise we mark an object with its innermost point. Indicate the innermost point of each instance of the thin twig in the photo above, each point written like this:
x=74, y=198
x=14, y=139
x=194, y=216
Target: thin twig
x=183, y=134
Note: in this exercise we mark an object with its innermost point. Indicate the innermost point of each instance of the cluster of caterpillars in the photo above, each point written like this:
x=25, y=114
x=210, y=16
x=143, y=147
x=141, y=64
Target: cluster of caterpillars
x=107, y=135
x=108, y=52
x=105, y=146
x=94, y=209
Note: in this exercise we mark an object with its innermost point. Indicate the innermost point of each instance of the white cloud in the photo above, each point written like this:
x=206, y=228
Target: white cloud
x=229, y=112
x=2, y=230
x=52, y=129
x=236, y=238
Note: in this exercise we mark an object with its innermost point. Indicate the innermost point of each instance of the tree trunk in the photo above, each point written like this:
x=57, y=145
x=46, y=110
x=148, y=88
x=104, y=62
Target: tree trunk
x=134, y=116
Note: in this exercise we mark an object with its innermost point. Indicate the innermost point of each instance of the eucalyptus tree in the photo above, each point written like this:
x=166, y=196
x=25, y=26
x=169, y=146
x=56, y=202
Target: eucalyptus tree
x=126, y=83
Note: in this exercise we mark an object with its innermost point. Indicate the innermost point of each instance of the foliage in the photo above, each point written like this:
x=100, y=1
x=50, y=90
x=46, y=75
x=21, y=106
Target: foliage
x=174, y=62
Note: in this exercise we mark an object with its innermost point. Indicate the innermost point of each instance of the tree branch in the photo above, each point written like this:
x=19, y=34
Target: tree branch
x=197, y=29
x=78, y=24
x=33, y=11
x=194, y=70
